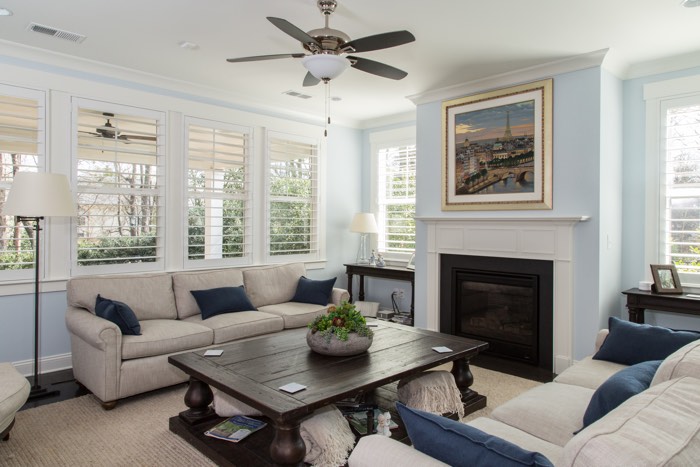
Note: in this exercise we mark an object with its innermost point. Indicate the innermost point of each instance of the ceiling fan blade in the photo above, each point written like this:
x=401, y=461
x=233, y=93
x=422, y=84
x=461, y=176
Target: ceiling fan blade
x=293, y=31
x=379, y=41
x=376, y=68
x=256, y=58
x=310, y=80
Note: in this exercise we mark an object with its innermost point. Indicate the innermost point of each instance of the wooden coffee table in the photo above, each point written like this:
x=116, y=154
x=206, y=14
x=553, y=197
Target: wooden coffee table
x=253, y=370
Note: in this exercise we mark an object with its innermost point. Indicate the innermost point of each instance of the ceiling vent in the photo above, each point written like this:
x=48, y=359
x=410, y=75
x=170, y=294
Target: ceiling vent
x=51, y=31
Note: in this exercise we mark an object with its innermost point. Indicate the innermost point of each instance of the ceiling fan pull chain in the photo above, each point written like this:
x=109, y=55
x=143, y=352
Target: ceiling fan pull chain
x=327, y=84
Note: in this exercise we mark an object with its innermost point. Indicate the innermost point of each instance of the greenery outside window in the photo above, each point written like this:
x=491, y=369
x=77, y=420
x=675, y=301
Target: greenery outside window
x=22, y=145
x=292, y=198
x=119, y=179
x=218, y=193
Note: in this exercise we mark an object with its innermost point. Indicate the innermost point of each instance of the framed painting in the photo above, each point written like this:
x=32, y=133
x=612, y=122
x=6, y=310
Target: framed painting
x=497, y=149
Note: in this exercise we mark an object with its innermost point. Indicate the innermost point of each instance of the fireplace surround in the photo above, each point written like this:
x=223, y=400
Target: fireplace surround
x=545, y=238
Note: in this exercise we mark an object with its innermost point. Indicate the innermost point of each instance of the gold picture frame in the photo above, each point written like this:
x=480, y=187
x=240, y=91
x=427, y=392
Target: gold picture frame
x=666, y=279
x=507, y=162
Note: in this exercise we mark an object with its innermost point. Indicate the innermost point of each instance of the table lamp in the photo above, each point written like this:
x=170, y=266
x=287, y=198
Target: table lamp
x=364, y=224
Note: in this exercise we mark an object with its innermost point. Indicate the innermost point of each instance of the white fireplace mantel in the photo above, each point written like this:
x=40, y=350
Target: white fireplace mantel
x=543, y=238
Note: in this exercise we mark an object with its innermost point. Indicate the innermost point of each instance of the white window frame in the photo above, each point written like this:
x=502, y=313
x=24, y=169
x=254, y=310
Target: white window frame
x=160, y=117
x=379, y=140
x=317, y=236
x=247, y=258
x=40, y=97
x=659, y=96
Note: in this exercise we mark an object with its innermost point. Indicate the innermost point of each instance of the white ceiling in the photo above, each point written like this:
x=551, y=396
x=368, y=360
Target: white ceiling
x=457, y=41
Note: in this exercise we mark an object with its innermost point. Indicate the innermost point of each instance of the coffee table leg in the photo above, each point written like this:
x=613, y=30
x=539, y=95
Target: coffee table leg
x=464, y=378
x=287, y=447
x=198, y=398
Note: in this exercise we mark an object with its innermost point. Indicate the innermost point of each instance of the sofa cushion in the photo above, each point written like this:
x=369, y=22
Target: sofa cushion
x=552, y=412
x=164, y=336
x=119, y=313
x=618, y=388
x=374, y=450
x=458, y=444
x=525, y=440
x=231, y=326
x=660, y=426
x=589, y=373
x=630, y=343
x=295, y=315
x=273, y=284
x=149, y=295
x=184, y=282
x=314, y=291
x=683, y=362
x=222, y=300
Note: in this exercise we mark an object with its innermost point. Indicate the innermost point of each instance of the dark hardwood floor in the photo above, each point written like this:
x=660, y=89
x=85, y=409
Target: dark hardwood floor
x=63, y=381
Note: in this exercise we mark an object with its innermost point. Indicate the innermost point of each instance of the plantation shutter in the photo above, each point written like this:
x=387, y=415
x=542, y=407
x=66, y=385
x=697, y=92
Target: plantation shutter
x=218, y=192
x=119, y=170
x=680, y=184
x=22, y=130
x=396, y=200
x=292, y=223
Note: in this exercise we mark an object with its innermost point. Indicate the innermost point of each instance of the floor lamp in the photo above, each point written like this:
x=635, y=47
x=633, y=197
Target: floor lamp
x=364, y=223
x=34, y=196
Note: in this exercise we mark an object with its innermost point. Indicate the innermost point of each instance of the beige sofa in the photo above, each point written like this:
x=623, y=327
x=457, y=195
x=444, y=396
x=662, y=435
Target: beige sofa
x=659, y=426
x=113, y=366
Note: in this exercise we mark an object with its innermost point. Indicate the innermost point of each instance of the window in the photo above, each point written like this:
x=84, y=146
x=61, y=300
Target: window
x=673, y=120
x=395, y=192
x=21, y=149
x=218, y=192
x=119, y=179
x=293, y=198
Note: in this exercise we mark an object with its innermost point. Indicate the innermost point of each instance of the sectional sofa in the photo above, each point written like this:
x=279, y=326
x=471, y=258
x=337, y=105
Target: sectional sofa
x=114, y=365
x=657, y=421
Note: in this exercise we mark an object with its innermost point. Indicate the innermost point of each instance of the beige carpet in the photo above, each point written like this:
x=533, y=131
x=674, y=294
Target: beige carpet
x=78, y=432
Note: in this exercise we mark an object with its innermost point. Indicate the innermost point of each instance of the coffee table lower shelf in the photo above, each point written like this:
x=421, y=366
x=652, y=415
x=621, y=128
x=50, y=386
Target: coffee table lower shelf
x=255, y=450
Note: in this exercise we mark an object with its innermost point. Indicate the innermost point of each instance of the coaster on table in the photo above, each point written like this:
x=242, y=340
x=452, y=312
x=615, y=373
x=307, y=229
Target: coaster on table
x=442, y=349
x=292, y=387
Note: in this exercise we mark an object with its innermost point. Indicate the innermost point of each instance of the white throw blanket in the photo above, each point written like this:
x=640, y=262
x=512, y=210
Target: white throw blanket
x=228, y=406
x=432, y=391
x=328, y=437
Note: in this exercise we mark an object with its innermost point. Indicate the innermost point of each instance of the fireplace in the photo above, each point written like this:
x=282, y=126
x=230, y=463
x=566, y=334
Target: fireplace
x=506, y=302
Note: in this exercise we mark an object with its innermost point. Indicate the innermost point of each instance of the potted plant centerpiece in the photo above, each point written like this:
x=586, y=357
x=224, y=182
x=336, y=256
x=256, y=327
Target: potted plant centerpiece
x=341, y=331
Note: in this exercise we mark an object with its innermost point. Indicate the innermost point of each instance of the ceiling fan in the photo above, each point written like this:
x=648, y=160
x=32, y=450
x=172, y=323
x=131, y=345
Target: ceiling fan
x=327, y=49
x=109, y=131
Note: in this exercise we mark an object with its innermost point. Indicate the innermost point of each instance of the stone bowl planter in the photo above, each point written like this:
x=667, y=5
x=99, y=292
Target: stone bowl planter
x=355, y=344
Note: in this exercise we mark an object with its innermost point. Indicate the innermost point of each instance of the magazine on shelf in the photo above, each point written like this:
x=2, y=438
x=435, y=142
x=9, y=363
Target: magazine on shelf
x=358, y=421
x=235, y=428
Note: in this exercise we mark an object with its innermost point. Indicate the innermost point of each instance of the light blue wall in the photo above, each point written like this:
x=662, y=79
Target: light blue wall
x=634, y=267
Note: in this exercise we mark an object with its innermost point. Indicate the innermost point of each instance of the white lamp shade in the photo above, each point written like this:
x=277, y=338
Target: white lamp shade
x=35, y=194
x=364, y=222
x=325, y=66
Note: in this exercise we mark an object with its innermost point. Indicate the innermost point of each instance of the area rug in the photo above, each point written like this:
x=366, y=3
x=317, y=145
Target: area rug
x=78, y=432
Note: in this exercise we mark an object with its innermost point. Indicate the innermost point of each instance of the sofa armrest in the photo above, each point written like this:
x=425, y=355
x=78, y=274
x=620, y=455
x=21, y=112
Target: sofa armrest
x=375, y=450
x=600, y=338
x=98, y=332
x=339, y=295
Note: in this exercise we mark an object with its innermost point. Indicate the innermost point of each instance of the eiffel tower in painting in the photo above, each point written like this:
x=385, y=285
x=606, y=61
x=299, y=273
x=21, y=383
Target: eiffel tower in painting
x=507, y=135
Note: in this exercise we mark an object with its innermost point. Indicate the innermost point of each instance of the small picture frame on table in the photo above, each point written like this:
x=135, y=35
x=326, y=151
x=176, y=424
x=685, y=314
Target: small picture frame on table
x=666, y=279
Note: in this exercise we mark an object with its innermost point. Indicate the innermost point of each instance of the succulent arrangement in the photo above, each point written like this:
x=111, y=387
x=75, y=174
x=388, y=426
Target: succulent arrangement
x=340, y=321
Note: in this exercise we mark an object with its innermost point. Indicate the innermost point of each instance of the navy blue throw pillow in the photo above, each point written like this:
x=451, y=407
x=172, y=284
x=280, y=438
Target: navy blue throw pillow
x=631, y=343
x=221, y=300
x=618, y=388
x=316, y=292
x=120, y=314
x=457, y=444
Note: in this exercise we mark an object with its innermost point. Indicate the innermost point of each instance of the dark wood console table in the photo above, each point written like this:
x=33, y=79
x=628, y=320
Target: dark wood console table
x=639, y=300
x=386, y=272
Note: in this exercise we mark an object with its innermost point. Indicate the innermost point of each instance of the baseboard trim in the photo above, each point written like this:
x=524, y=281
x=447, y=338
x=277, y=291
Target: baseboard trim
x=46, y=364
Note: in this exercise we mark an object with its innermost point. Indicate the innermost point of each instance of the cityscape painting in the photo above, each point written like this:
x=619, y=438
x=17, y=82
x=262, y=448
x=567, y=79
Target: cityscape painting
x=497, y=149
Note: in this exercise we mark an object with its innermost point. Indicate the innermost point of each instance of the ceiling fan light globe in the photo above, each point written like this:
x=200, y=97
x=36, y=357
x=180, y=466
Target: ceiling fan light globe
x=325, y=66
